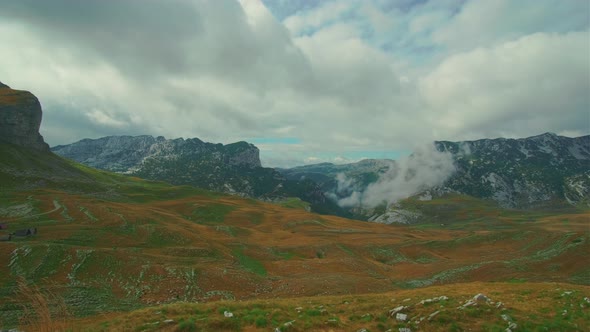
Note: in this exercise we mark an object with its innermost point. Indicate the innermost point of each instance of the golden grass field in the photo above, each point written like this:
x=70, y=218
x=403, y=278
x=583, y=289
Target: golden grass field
x=124, y=254
x=100, y=255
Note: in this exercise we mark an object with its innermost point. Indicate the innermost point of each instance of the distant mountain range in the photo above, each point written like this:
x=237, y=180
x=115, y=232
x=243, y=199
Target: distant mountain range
x=515, y=173
x=522, y=173
x=232, y=168
x=535, y=172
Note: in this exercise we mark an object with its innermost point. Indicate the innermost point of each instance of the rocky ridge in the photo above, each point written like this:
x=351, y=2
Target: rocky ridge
x=521, y=173
x=233, y=168
x=533, y=172
x=20, y=119
x=130, y=154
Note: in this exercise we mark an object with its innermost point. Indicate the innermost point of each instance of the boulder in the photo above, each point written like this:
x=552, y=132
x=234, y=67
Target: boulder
x=20, y=119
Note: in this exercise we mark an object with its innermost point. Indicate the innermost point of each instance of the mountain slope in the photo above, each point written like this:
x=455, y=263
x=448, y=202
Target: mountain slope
x=122, y=243
x=524, y=172
x=534, y=172
x=232, y=168
x=148, y=243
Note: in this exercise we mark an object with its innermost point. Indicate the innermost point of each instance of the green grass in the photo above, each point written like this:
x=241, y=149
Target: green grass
x=286, y=255
x=386, y=255
x=295, y=203
x=256, y=218
x=249, y=263
x=212, y=213
x=187, y=325
x=346, y=250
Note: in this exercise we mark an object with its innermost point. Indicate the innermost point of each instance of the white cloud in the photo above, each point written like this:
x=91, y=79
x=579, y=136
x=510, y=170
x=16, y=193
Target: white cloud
x=484, y=22
x=316, y=18
x=341, y=76
x=424, y=169
x=104, y=118
x=520, y=87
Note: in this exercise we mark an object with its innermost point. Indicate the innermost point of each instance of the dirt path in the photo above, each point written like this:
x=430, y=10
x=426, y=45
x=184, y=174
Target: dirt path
x=56, y=205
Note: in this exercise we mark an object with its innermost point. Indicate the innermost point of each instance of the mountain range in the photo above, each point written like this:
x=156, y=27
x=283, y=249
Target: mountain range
x=515, y=173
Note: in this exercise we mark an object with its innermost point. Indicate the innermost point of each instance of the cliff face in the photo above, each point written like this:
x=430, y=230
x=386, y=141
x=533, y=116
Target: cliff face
x=128, y=154
x=20, y=119
x=521, y=173
x=233, y=168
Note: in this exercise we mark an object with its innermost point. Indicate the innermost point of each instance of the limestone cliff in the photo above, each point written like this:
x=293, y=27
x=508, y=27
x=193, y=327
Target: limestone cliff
x=20, y=118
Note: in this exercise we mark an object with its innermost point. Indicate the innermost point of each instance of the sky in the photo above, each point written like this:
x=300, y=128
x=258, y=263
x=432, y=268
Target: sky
x=307, y=81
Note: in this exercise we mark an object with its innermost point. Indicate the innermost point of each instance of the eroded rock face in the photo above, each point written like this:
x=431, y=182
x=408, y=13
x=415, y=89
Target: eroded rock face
x=20, y=118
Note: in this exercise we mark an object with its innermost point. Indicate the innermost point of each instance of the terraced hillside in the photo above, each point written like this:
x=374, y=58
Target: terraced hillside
x=109, y=243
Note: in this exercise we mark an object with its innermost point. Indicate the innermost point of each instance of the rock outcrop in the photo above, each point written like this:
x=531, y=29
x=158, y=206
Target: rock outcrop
x=20, y=119
x=521, y=173
x=232, y=168
x=536, y=172
x=129, y=154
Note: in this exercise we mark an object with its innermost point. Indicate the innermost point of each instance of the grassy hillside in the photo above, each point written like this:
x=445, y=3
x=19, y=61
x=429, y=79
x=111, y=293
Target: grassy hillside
x=110, y=243
x=520, y=307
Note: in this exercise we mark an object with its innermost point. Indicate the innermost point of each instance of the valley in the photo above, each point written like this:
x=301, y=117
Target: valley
x=142, y=243
x=85, y=249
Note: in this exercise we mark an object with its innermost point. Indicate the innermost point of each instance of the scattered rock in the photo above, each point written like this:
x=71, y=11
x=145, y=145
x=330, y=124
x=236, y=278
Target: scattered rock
x=481, y=298
x=477, y=298
x=396, y=310
x=169, y=321
x=468, y=303
x=566, y=293
x=406, y=300
x=433, y=314
x=362, y=330
x=511, y=325
x=434, y=299
x=401, y=317
x=404, y=329
x=289, y=323
x=228, y=314
x=587, y=300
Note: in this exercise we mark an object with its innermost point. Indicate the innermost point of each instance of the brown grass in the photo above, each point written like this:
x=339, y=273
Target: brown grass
x=43, y=311
x=303, y=254
x=527, y=303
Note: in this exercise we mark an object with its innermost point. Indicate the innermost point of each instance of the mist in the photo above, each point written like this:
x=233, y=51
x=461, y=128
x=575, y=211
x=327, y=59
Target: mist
x=424, y=169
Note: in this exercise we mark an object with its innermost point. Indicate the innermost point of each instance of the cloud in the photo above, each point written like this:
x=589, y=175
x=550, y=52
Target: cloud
x=341, y=77
x=484, y=22
x=521, y=87
x=424, y=169
x=328, y=13
x=104, y=118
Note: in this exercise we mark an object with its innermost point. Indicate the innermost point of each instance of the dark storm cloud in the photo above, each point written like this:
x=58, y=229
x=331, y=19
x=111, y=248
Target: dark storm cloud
x=140, y=36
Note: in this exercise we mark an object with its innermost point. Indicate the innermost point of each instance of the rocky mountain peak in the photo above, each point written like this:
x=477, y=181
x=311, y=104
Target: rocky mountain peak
x=20, y=118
